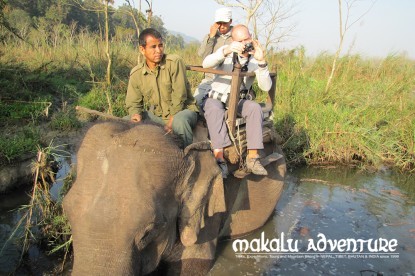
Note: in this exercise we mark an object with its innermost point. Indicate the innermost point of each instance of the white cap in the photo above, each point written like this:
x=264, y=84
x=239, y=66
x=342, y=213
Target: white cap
x=223, y=15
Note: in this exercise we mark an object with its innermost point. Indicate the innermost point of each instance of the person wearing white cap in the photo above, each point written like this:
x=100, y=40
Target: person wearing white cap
x=251, y=56
x=219, y=34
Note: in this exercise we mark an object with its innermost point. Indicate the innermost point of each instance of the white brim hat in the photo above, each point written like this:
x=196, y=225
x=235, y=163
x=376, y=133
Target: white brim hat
x=223, y=15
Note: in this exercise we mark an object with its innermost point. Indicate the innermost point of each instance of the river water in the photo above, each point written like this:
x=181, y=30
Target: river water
x=332, y=203
x=320, y=210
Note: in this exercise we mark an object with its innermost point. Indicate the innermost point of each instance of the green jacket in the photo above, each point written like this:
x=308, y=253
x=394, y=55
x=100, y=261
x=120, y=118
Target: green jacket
x=210, y=45
x=166, y=89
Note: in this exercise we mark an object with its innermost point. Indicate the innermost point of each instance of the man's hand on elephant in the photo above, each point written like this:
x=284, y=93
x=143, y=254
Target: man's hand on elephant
x=168, y=126
x=136, y=118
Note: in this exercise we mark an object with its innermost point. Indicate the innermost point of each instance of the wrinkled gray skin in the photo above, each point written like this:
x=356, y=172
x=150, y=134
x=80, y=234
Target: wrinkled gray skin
x=140, y=199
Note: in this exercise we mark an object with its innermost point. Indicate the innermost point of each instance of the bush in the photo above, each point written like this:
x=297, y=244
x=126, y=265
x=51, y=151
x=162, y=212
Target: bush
x=21, y=112
x=65, y=121
x=18, y=144
x=94, y=99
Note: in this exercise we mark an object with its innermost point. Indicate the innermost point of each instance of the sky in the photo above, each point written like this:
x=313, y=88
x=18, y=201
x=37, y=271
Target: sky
x=386, y=29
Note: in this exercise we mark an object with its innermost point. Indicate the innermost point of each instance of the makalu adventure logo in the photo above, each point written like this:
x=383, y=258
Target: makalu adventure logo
x=321, y=247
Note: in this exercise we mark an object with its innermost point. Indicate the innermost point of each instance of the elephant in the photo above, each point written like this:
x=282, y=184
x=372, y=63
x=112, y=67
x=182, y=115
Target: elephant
x=141, y=204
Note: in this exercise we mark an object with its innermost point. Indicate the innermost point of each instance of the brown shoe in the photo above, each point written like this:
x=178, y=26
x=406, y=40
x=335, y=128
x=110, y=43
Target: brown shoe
x=254, y=165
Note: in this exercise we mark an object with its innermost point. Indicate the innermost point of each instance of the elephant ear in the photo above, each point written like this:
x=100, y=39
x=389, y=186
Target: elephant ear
x=201, y=192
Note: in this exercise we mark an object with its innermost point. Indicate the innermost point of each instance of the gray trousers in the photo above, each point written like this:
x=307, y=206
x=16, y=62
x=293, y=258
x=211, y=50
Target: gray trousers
x=218, y=131
x=183, y=124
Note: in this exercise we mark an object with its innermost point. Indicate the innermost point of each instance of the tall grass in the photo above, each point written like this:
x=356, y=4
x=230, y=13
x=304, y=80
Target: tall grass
x=366, y=118
x=42, y=221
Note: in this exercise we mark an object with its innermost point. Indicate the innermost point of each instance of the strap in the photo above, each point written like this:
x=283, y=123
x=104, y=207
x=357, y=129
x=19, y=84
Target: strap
x=244, y=68
x=242, y=164
x=235, y=60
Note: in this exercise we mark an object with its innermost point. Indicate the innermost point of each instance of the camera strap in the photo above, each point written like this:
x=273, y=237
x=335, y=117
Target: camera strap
x=244, y=68
x=235, y=60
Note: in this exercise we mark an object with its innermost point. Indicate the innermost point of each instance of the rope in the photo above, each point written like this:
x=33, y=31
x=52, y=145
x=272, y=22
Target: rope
x=242, y=164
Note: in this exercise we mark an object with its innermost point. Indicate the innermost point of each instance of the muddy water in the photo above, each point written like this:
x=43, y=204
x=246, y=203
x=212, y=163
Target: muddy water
x=334, y=203
x=37, y=262
x=339, y=204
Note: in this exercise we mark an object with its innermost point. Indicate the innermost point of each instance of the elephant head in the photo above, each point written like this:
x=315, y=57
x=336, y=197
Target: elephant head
x=137, y=198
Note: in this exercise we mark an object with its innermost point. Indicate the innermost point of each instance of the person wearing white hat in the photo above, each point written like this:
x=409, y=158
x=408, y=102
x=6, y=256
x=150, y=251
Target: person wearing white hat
x=219, y=34
x=248, y=53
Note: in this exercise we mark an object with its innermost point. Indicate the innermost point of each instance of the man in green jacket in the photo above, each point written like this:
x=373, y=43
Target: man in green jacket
x=159, y=90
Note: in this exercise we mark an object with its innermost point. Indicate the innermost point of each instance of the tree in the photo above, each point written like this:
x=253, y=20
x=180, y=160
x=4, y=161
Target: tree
x=175, y=41
x=36, y=8
x=4, y=23
x=343, y=28
x=20, y=21
x=268, y=19
x=158, y=24
x=52, y=22
x=271, y=23
x=107, y=45
x=103, y=8
x=86, y=13
x=249, y=6
x=149, y=12
x=134, y=15
x=129, y=17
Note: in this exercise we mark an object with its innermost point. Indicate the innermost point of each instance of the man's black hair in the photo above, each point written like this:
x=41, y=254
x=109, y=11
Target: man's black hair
x=148, y=32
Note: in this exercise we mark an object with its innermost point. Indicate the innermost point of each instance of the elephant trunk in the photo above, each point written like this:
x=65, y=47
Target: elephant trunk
x=105, y=259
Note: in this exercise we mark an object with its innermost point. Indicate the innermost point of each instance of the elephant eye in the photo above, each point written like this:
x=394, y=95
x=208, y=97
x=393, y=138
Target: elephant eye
x=144, y=239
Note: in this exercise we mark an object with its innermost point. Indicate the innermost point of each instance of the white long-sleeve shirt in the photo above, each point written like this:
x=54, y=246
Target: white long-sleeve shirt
x=222, y=83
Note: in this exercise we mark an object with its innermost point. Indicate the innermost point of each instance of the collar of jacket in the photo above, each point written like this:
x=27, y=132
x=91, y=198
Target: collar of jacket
x=147, y=70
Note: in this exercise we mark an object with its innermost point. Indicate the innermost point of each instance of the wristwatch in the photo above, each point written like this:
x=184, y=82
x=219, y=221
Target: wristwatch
x=263, y=65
